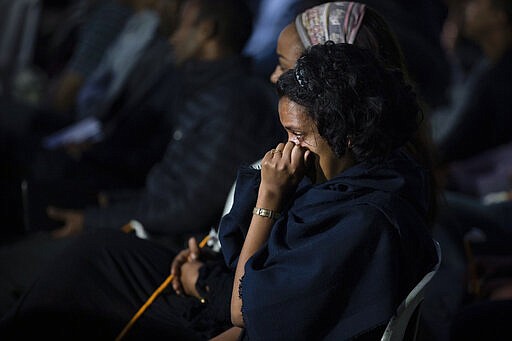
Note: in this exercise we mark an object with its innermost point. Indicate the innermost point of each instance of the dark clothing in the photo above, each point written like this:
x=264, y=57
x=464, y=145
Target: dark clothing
x=486, y=173
x=483, y=320
x=485, y=119
x=102, y=27
x=137, y=125
x=223, y=118
x=391, y=244
x=100, y=281
x=136, y=128
x=22, y=260
x=316, y=277
x=417, y=27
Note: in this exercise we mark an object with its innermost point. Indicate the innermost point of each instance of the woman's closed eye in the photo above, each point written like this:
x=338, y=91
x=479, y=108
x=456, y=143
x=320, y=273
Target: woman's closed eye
x=296, y=136
x=299, y=135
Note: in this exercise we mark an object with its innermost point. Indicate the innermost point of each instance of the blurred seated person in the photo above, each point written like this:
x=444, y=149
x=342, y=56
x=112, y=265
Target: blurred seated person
x=198, y=166
x=98, y=24
x=127, y=100
x=480, y=119
x=100, y=30
x=133, y=139
x=104, y=70
x=223, y=117
x=471, y=134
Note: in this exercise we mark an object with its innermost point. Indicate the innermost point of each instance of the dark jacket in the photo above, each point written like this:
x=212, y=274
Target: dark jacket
x=136, y=128
x=137, y=124
x=224, y=117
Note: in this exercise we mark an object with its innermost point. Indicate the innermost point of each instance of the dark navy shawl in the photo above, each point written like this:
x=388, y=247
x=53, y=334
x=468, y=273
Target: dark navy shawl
x=342, y=257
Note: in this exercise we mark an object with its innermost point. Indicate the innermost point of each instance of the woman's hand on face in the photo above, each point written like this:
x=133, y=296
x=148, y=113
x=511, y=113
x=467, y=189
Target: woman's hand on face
x=282, y=169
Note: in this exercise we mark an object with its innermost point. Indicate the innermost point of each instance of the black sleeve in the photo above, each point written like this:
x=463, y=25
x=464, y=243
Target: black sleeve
x=214, y=284
x=186, y=191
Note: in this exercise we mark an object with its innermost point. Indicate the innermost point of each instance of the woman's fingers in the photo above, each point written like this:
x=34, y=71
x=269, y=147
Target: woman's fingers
x=287, y=155
x=280, y=147
x=277, y=152
x=287, y=151
x=283, y=167
x=297, y=158
x=307, y=153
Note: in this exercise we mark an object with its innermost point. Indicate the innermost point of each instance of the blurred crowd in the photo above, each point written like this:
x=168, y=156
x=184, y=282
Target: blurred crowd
x=136, y=111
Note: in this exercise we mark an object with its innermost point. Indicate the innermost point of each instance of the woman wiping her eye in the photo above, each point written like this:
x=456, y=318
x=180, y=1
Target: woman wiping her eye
x=334, y=230
x=340, y=207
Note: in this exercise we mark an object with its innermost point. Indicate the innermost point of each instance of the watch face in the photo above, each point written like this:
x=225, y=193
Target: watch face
x=263, y=212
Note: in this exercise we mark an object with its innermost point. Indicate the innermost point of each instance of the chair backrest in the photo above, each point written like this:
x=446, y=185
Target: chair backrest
x=404, y=324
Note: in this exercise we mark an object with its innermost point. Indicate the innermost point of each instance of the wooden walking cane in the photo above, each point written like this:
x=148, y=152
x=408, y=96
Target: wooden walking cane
x=155, y=294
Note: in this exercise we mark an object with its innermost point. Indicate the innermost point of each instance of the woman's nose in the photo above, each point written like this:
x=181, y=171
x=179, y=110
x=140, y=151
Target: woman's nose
x=276, y=74
x=293, y=139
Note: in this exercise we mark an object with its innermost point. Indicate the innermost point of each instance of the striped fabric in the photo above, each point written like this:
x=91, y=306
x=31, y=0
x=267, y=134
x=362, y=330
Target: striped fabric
x=336, y=21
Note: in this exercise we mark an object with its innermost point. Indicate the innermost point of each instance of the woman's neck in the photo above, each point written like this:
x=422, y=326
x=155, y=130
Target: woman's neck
x=334, y=167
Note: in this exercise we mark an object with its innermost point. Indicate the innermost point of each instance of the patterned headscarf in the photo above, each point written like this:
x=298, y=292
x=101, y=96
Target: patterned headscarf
x=336, y=21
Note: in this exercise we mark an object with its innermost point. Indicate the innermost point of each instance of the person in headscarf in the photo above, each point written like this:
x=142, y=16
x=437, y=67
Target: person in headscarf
x=340, y=22
x=361, y=25
x=198, y=277
x=322, y=23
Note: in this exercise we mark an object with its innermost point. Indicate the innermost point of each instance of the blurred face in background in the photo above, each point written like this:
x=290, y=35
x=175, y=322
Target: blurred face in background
x=188, y=38
x=289, y=49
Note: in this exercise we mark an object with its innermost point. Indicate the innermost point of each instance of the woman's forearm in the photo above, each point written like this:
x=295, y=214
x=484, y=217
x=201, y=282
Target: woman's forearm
x=281, y=170
x=259, y=231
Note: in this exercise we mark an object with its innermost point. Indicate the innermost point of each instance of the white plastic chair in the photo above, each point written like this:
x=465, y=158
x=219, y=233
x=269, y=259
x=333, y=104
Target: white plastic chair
x=408, y=313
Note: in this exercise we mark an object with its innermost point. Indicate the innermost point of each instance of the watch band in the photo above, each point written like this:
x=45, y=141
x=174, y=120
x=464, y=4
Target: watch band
x=266, y=213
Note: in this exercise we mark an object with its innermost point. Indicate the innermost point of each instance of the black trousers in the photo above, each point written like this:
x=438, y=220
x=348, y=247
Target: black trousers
x=95, y=286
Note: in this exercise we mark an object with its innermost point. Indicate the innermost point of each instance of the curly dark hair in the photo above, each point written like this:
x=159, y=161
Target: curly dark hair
x=353, y=98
